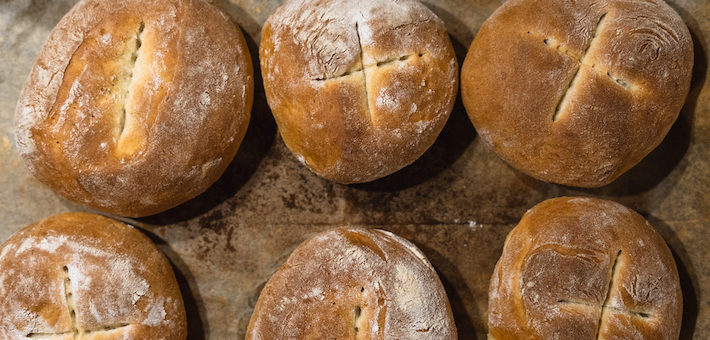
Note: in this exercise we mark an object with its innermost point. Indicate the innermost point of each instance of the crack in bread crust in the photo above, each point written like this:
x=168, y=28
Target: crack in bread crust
x=69, y=296
x=358, y=317
x=630, y=312
x=614, y=273
x=563, y=100
x=379, y=64
x=364, y=72
x=131, y=78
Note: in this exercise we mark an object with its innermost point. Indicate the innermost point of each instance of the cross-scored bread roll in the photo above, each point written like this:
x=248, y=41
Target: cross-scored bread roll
x=359, y=89
x=134, y=107
x=351, y=283
x=582, y=268
x=577, y=92
x=83, y=276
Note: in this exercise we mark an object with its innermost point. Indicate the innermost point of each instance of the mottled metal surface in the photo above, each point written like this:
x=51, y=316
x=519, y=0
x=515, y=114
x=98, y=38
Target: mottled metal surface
x=457, y=203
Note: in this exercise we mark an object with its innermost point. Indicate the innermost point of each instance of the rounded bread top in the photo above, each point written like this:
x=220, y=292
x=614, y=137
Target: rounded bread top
x=359, y=89
x=577, y=92
x=78, y=275
x=133, y=106
x=350, y=283
x=583, y=268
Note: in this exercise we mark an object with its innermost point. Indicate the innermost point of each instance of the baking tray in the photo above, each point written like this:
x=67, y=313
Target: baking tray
x=457, y=202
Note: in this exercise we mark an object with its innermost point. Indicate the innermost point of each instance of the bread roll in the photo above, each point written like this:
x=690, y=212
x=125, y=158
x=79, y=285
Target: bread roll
x=359, y=89
x=83, y=276
x=350, y=283
x=134, y=107
x=577, y=92
x=582, y=268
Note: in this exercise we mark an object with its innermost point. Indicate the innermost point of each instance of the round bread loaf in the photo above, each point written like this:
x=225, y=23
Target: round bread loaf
x=134, y=107
x=83, y=276
x=359, y=89
x=577, y=92
x=581, y=268
x=350, y=283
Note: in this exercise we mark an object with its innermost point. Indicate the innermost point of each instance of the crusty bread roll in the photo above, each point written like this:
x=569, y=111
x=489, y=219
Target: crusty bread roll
x=359, y=89
x=84, y=276
x=582, y=268
x=577, y=92
x=134, y=107
x=351, y=283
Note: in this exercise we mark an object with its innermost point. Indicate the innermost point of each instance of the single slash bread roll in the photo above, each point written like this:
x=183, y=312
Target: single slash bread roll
x=577, y=92
x=359, y=89
x=581, y=268
x=134, y=107
x=351, y=283
x=83, y=276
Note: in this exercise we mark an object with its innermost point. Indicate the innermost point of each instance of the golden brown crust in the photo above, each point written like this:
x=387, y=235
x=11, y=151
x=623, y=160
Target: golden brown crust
x=627, y=65
x=359, y=89
x=86, y=274
x=582, y=268
x=351, y=283
x=134, y=107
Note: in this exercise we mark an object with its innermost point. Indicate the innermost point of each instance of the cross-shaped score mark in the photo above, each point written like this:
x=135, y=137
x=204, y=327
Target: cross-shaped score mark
x=362, y=67
x=606, y=308
x=582, y=62
x=77, y=331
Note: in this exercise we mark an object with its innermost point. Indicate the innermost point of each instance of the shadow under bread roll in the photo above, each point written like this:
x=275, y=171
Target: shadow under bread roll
x=82, y=276
x=584, y=268
x=352, y=283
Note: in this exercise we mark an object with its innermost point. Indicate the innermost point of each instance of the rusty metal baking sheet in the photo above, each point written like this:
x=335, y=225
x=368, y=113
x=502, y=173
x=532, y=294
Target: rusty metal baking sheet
x=457, y=202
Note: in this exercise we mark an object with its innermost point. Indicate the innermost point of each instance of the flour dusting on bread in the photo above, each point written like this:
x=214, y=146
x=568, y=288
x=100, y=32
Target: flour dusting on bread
x=587, y=268
x=85, y=273
x=359, y=89
x=128, y=96
x=354, y=282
